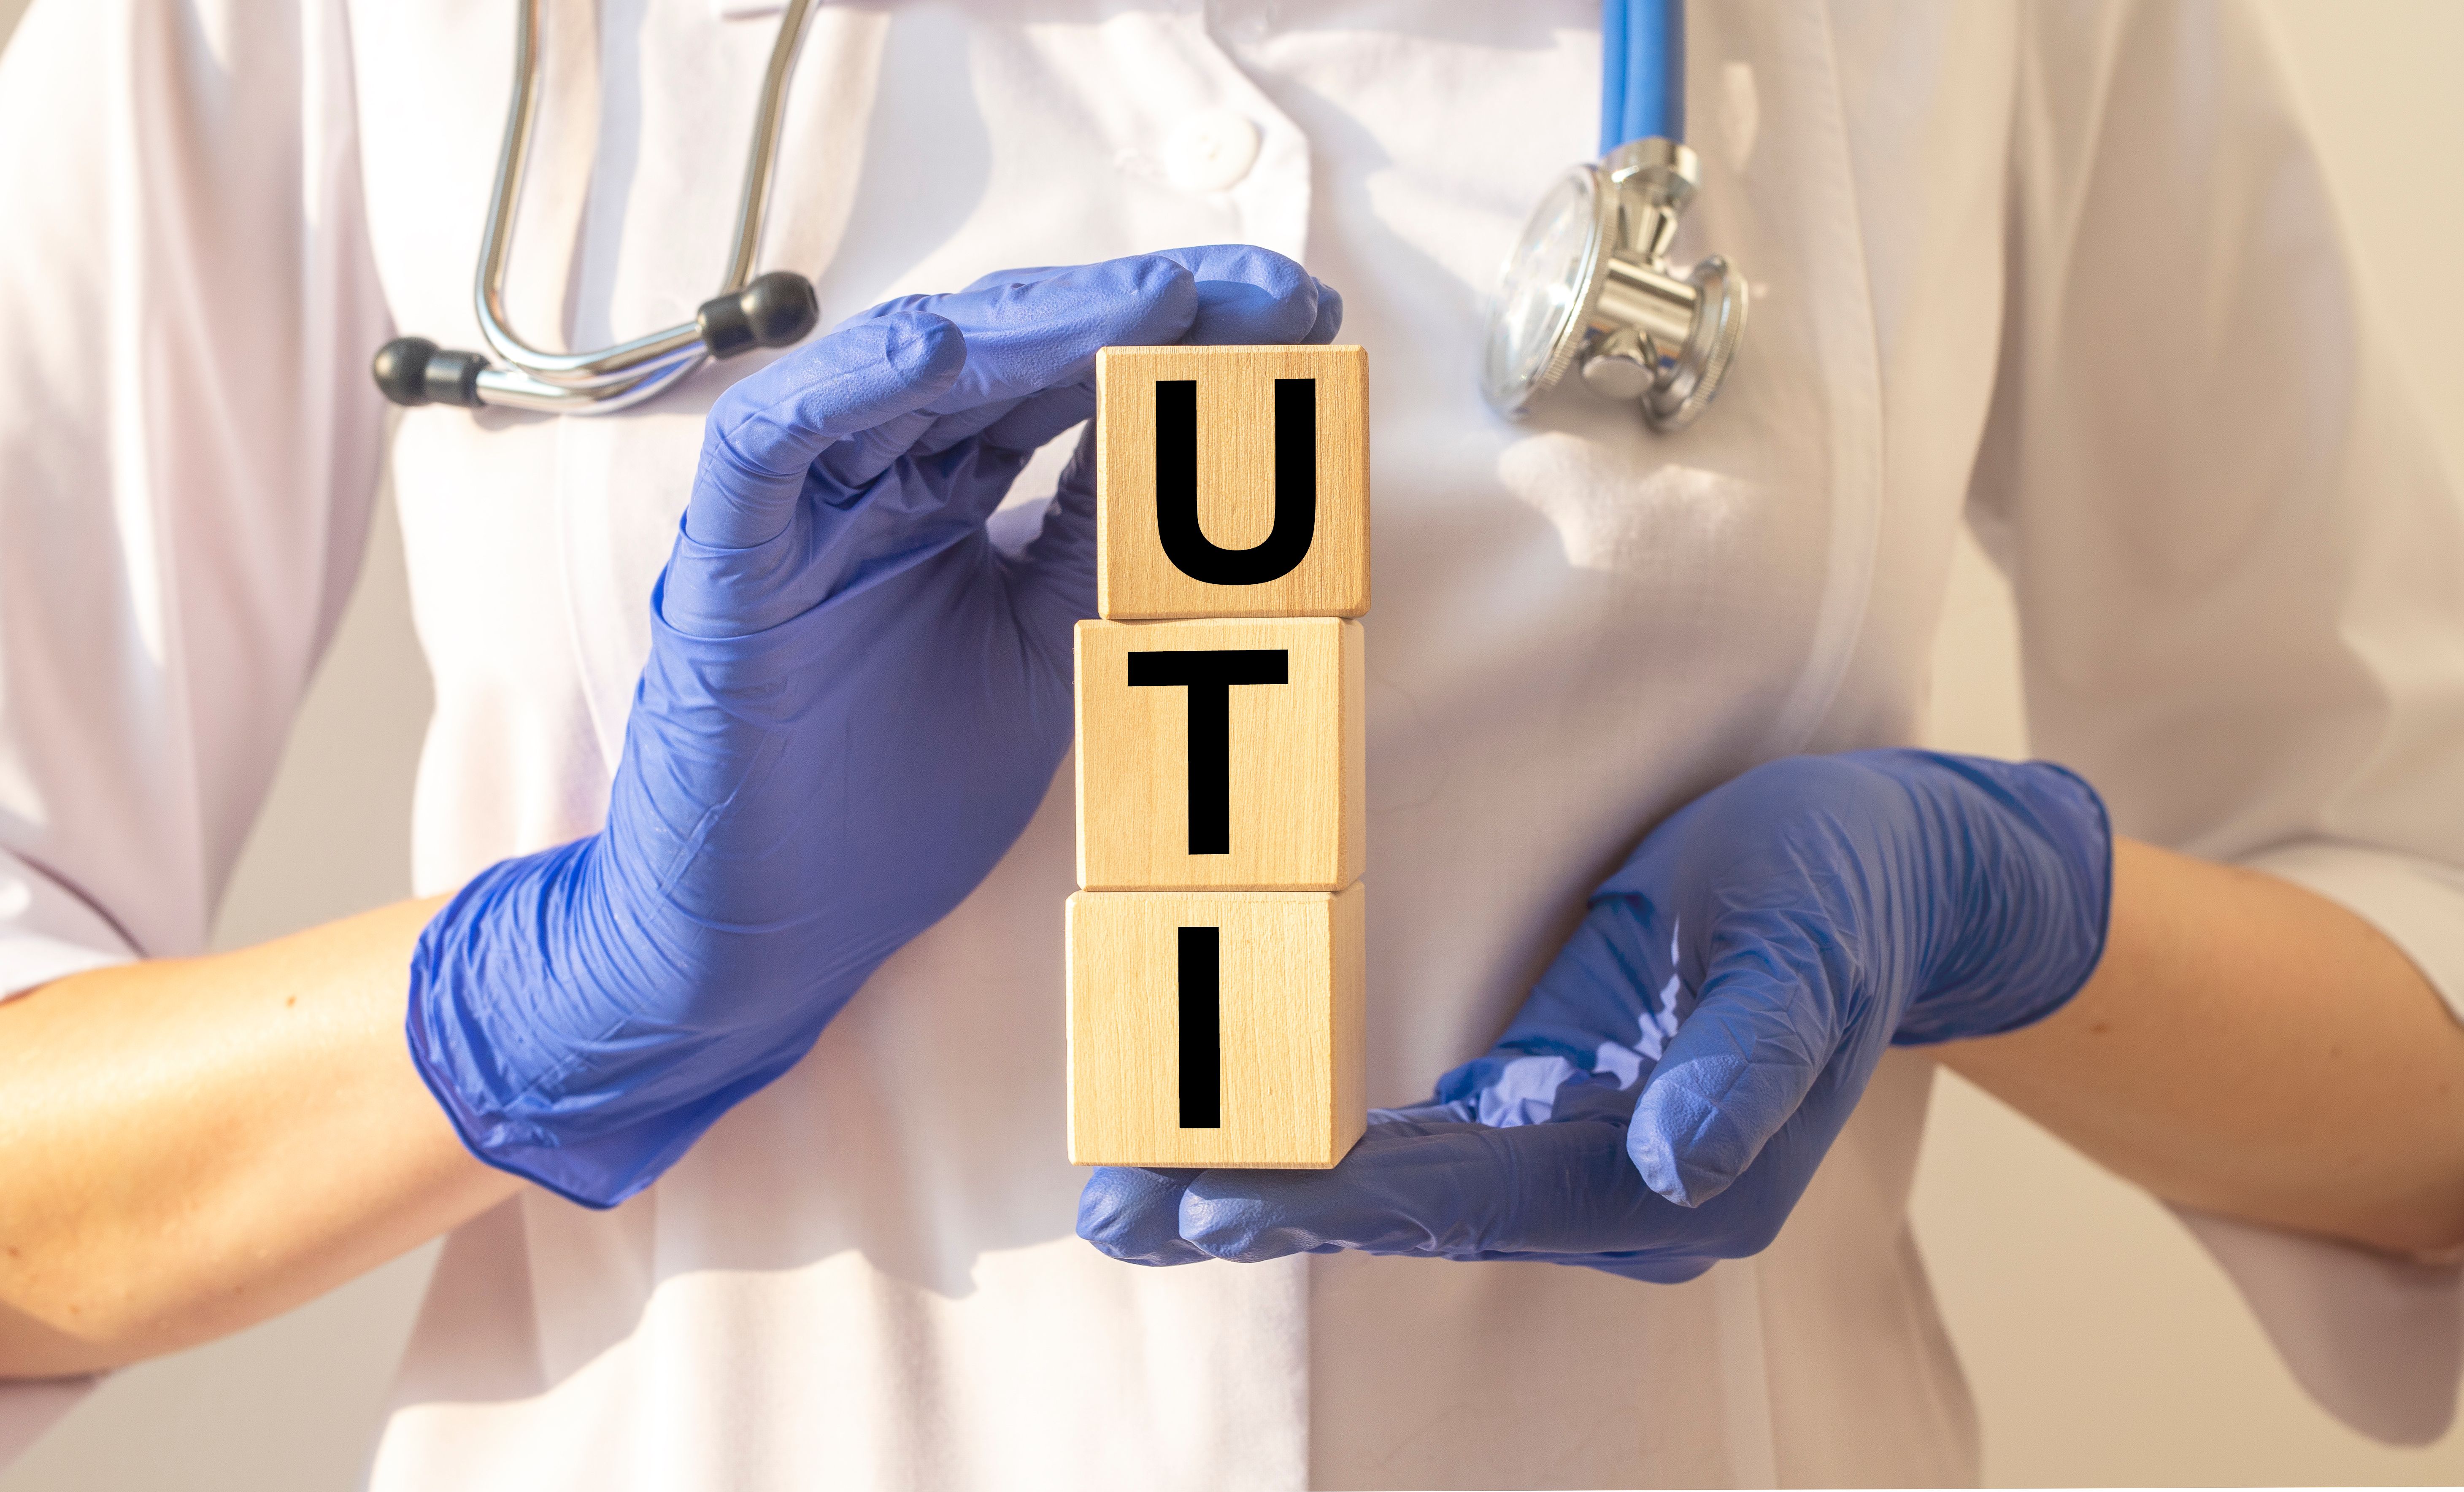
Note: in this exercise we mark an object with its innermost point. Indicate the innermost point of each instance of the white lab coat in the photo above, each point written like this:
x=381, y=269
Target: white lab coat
x=2069, y=273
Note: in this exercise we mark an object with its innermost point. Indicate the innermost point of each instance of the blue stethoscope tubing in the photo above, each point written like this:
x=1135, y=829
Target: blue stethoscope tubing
x=1643, y=71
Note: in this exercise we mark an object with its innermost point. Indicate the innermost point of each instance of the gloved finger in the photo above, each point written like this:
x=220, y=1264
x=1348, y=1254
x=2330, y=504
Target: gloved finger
x=949, y=429
x=1738, y=1067
x=847, y=467
x=766, y=431
x=1330, y=315
x=1133, y=1214
x=1453, y=1191
x=1244, y=296
x=1038, y=419
x=1028, y=331
x=1227, y=313
x=1248, y=295
x=1019, y=425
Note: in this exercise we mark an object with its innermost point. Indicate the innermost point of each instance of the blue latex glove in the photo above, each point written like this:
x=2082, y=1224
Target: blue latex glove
x=1663, y=1097
x=852, y=706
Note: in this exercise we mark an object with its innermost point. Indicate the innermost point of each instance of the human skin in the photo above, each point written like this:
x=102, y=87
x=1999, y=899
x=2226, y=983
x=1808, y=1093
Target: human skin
x=198, y=1144
x=2249, y=1048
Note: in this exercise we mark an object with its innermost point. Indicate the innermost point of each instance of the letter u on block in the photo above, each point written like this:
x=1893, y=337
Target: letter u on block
x=1232, y=482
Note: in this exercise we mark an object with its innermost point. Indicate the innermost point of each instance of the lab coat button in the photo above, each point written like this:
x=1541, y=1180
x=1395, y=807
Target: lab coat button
x=1210, y=151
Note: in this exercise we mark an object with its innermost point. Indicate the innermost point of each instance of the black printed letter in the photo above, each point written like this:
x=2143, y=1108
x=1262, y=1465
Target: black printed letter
x=1288, y=542
x=1209, y=676
x=1201, y=1028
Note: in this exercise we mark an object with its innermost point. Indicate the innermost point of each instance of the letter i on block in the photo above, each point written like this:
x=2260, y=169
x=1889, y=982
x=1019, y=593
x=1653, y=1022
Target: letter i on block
x=1218, y=957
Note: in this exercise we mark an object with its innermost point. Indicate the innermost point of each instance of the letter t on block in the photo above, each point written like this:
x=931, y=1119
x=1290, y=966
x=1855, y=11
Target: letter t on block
x=1224, y=755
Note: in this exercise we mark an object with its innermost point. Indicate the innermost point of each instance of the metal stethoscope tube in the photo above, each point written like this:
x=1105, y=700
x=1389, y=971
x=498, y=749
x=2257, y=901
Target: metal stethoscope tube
x=770, y=311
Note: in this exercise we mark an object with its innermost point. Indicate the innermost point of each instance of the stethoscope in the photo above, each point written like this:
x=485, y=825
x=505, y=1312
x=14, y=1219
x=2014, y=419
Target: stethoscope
x=1589, y=284
x=772, y=310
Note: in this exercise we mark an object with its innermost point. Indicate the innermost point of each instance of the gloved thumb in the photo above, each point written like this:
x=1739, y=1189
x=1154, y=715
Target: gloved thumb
x=1133, y=1214
x=766, y=430
x=1053, y=579
x=1736, y=1070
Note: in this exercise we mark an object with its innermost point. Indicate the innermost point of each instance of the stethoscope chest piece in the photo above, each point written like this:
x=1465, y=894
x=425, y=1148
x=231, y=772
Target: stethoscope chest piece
x=1590, y=287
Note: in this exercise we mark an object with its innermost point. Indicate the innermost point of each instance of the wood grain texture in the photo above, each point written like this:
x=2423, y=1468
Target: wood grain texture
x=1295, y=756
x=1135, y=580
x=1293, y=979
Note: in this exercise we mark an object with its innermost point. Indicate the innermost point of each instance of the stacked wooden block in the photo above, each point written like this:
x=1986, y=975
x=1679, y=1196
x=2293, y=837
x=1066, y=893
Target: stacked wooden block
x=1217, y=942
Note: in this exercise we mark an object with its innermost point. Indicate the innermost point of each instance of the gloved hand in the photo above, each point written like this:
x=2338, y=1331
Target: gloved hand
x=853, y=704
x=1663, y=1097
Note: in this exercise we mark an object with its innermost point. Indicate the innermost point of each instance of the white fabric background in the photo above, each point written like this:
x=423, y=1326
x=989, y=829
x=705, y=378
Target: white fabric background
x=2103, y=1348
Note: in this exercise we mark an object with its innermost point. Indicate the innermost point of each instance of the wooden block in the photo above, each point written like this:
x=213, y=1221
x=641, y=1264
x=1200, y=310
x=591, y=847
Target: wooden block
x=1231, y=482
x=1222, y=755
x=1215, y=1028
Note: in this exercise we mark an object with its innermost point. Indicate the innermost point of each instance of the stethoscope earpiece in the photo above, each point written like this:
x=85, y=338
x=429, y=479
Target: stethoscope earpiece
x=776, y=309
x=414, y=371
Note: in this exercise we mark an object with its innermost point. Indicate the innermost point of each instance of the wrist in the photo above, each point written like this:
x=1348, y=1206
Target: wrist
x=2028, y=904
x=505, y=1004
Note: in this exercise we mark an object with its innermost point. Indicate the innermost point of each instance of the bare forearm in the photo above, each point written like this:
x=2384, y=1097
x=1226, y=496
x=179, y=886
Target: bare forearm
x=2248, y=1048
x=194, y=1145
